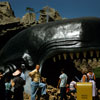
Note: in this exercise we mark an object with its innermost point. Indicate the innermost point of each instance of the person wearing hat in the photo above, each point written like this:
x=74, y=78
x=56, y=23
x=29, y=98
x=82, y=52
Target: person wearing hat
x=18, y=84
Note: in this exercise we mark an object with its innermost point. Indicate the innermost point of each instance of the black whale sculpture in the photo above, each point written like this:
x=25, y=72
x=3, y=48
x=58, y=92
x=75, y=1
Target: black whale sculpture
x=47, y=40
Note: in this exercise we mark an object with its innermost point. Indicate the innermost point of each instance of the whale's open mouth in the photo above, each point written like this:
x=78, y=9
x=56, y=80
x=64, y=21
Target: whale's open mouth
x=72, y=62
x=72, y=55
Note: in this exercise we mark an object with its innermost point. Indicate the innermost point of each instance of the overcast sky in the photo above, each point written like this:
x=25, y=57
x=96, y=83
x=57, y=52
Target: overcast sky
x=66, y=8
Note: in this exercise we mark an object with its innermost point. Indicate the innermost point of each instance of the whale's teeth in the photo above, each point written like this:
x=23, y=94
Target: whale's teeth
x=97, y=53
x=54, y=59
x=71, y=55
x=65, y=56
x=91, y=53
x=84, y=54
x=77, y=54
x=59, y=57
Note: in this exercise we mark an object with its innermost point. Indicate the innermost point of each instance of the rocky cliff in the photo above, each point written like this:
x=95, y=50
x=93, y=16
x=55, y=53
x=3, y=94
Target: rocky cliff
x=48, y=14
x=28, y=19
x=10, y=25
x=6, y=11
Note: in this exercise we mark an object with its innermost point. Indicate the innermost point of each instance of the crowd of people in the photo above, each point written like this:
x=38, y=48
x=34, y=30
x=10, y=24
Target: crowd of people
x=12, y=85
x=87, y=76
x=12, y=88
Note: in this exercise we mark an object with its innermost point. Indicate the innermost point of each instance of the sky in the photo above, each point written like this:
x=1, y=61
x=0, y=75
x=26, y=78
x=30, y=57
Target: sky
x=66, y=8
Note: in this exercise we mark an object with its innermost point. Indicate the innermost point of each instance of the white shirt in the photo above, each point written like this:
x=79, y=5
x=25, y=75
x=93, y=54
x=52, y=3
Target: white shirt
x=63, y=77
x=72, y=85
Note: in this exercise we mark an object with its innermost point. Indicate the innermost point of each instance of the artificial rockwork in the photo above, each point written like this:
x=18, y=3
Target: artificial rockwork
x=11, y=25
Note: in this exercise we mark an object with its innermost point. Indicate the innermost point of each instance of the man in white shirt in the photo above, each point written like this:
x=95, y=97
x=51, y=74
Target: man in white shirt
x=62, y=82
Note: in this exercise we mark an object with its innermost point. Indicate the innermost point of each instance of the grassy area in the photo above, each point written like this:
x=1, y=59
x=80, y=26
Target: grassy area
x=97, y=72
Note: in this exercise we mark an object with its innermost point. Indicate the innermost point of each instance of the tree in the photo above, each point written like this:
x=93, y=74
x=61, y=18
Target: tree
x=29, y=9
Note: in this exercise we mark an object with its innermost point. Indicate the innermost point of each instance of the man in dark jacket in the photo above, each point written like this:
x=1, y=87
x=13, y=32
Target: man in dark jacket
x=18, y=84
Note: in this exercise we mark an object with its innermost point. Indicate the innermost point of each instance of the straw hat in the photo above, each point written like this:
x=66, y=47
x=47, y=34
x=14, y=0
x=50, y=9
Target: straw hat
x=17, y=72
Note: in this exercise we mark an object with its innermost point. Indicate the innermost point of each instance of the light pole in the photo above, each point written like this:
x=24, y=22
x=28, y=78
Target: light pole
x=47, y=14
x=47, y=11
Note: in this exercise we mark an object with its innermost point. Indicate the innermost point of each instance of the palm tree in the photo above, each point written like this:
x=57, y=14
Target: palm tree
x=29, y=9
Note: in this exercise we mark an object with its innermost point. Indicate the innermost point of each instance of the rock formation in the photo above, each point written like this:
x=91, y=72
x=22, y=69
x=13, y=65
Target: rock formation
x=29, y=19
x=6, y=11
x=10, y=25
x=48, y=14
